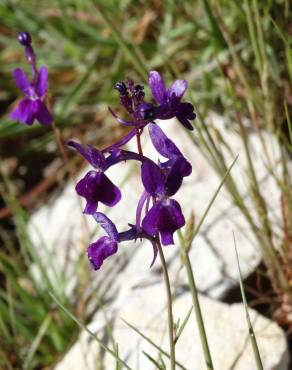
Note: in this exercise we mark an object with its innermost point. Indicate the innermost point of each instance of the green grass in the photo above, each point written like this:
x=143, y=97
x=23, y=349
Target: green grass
x=33, y=330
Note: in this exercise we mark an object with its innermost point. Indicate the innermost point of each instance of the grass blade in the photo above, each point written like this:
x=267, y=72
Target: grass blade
x=182, y=326
x=191, y=279
x=74, y=318
x=250, y=328
x=34, y=346
x=212, y=200
x=150, y=358
x=152, y=343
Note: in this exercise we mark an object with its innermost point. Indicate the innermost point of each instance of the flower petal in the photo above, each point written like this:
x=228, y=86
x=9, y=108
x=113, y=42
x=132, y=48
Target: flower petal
x=144, y=197
x=25, y=112
x=88, y=188
x=166, y=237
x=164, y=217
x=166, y=110
x=109, y=193
x=157, y=87
x=186, y=110
x=92, y=155
x=41, y=83
x=108, y=226
x=96, y=187
x=179, y=169
x=155, y=252
x=162, y=143
x=185, y=122
x=19, y=113
x=122, y=142
x=152, y=178
x=177, y=89
x=43, y=115
x=22, y=81
x=151, y=219
x=100, y=250
x=184, y=113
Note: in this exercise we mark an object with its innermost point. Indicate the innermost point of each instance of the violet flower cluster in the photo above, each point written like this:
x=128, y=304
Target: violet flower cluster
x=158, y=215
x=33, y=106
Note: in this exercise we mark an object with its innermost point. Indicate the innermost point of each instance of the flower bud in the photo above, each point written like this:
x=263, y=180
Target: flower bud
x=121, y=87
x=24, y=38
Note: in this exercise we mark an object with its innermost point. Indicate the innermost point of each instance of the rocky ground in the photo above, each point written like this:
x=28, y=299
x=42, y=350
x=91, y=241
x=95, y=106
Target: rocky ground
x=136, y=294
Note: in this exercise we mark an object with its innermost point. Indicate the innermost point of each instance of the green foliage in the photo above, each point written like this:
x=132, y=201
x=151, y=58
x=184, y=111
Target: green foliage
x=32, y=330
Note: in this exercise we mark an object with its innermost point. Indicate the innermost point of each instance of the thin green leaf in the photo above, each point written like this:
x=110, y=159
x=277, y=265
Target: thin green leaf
x=182, y=326
x=150, y=358
x=195, y=233
x=35, y=344
x=250, y=328
x=99, y=341
x=162, y=351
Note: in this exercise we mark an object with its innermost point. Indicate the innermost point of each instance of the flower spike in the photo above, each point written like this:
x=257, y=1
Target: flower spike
x=33, y=106
x=161, y=180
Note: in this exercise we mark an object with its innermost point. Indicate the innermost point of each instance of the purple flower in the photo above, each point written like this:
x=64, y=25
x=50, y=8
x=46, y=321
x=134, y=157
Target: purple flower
x=100, y=250
x=166, y=147
x=95, y=186
x=169, y=101
x=106, y=246
x=161, y=182
x=33, y=105
x=165, y=216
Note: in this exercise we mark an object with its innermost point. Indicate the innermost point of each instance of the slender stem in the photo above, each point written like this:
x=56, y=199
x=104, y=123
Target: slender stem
x=139, y=145
x=166, y=279
x=198, y=312
x=61, y=146
x=169, y=306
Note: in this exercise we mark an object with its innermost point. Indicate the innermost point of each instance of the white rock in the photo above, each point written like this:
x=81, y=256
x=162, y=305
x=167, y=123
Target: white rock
x=145, y=309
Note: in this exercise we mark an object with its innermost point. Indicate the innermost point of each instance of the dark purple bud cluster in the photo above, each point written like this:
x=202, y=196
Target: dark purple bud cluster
x=158, y=215
x=131, y=96
x=32, y=107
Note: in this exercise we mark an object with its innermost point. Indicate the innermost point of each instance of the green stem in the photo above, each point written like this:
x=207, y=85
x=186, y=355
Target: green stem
x=198, y=312
x=169, y=306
